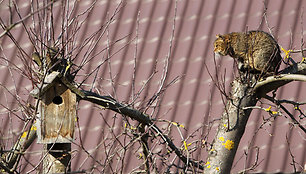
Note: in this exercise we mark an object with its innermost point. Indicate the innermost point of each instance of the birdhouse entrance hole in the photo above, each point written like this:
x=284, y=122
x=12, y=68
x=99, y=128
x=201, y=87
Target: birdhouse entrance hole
x=57, y=100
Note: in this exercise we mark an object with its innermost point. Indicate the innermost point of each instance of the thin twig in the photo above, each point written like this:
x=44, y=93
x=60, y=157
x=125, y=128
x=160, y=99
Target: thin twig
x=7, y=29
x=287, y=112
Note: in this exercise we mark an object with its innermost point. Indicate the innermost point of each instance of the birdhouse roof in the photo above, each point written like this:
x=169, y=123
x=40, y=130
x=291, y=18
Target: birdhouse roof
x=49, y=81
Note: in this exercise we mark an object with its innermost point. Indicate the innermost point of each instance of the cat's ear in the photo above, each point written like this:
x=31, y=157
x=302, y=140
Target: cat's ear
x=219, y=36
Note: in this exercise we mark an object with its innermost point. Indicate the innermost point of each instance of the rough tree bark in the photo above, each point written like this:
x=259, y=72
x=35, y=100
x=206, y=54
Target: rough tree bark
x=237, y=111
x=231, y=127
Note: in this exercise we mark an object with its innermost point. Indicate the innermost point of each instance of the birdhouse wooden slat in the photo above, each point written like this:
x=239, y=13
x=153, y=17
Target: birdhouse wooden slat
x=56, y=113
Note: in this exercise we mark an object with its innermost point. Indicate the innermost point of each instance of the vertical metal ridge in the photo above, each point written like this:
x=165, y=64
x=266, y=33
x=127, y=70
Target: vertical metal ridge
x=156, y=55
x=92, y=110
x=252, y=152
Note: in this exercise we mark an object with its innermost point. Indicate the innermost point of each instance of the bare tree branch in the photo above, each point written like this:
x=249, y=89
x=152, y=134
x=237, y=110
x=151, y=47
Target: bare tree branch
x=110, y=103
x=296, y=72
x=9, y=28
x=287, y=112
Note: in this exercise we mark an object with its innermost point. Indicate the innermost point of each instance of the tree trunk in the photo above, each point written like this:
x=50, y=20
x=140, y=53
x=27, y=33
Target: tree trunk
x=57, y=158
x=231, y=128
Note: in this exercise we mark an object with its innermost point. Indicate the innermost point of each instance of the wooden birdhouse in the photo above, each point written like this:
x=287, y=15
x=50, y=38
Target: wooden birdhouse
x=56, y=111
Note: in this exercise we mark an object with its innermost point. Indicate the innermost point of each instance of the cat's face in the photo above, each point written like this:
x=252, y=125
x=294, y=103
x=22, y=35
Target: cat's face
x=221, y=45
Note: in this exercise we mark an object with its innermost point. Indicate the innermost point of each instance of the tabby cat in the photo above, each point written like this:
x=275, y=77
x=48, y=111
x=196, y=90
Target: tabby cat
x=256, y=51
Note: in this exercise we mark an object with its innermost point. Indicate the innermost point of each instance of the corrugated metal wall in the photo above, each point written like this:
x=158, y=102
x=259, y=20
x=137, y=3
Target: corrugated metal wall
x=192, y=100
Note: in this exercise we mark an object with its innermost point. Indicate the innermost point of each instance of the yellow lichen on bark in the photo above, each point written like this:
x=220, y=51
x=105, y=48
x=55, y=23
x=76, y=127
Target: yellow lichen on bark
x=229, y=144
